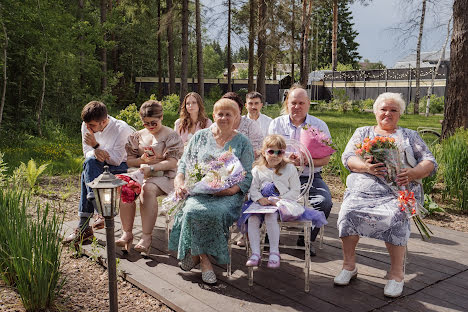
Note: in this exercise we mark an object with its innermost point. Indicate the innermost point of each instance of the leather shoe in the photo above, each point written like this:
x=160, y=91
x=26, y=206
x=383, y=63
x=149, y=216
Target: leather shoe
x=79, y=236
x=393, y=288
x=98, y=222
x=345, y=277
x=209, y=277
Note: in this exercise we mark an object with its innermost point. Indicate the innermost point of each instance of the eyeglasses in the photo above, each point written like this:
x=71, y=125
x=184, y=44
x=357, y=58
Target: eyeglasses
x=151, y=124
x=275, y=152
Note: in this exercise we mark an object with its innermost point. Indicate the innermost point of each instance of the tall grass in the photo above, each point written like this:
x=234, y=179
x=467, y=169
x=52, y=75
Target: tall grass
x=335, y=166
x=30, y=249
x=454, y=158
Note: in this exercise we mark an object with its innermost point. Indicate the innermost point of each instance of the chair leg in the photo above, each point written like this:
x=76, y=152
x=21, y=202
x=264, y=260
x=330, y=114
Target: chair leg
x=307, y=233
x=229, y=267
x=322, y=230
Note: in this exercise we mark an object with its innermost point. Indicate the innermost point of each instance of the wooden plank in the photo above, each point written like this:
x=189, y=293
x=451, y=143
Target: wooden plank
x=423, y=302
x=446, y=293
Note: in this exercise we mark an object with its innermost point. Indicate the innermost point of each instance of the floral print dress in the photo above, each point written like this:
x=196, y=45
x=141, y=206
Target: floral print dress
x=202, y=225
x=370, y=206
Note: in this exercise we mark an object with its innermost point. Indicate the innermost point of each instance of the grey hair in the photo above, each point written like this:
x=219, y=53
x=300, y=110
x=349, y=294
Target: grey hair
x=395, y=97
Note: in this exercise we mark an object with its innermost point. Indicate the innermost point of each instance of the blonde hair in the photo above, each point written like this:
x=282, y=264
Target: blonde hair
x=296, y=86
x=272, y=141
x=225, y=104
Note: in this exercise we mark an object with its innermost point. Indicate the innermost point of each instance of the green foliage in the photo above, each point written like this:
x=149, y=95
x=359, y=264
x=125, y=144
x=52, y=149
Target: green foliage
x=171, y=103
x=3, y=170
x=368, y=104
x=30, y=250
x=213, y=61
x=436, y=105
x=430, y=181
x=340, y=100
x=339, y=67
x=31, y=172
x=431, y=206
x=215, y=93
x=454, y=157
x=335, y=166
x=131, y=116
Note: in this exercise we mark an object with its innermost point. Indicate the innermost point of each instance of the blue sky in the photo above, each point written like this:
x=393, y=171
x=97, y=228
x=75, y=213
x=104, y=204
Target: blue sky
x=374, y=23
x=378, y=42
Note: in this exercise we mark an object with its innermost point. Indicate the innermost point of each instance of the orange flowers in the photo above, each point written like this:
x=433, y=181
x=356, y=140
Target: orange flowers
x=370, y=145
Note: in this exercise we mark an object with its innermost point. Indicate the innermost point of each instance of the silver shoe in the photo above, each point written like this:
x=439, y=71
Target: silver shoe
x=187, y=263
x=209, y=277
x=345, y=277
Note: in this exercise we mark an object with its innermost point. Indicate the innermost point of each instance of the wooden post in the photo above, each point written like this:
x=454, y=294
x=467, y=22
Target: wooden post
x=409, y=88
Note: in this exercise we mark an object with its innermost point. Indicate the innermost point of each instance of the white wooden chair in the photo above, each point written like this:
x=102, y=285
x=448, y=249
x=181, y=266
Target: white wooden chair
x=294, y=228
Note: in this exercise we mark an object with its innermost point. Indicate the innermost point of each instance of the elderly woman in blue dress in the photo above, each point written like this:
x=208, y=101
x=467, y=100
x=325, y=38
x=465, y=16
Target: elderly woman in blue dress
x=370, y=206
x=201, y=230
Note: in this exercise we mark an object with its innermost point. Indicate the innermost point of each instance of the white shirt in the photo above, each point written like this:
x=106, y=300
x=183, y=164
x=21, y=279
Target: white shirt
x=112, y=140
x=263, y=122
x=287, y=183
x=282, y=125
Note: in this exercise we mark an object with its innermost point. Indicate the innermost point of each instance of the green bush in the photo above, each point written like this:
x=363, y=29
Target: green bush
x=454, y=157
x=430, y=181
x=436, y=105
x=215, y=93
x=368, y=104
x=171, y=103
x=31, y=172
x=340, y=100
x=131, y=115
x=357, y=106
x=30, y=250
x=335, y=166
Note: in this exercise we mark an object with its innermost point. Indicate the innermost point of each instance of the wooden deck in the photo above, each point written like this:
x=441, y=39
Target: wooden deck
x=436, y=277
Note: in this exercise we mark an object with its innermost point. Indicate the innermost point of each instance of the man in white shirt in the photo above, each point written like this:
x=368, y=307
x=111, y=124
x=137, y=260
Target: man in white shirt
x=103, y=139
x=254, y=104
x=294, y=117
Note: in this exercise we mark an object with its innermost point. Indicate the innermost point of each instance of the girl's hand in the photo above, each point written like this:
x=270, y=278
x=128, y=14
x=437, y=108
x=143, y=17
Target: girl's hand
x=378, y=169
x=405, y=176
x=265, y=202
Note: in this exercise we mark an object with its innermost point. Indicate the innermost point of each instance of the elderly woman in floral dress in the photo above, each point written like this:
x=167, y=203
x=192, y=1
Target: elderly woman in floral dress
x=370, y=206
x=202, y=226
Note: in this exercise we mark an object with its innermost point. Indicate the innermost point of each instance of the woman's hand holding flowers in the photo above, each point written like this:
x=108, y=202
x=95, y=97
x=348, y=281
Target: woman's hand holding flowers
x=405, y=176
x=179, y=186
x=378, y=169
x=228, y=192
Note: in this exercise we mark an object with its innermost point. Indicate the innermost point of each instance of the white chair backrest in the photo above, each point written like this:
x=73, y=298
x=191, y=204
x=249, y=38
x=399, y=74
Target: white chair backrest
x=296, y=147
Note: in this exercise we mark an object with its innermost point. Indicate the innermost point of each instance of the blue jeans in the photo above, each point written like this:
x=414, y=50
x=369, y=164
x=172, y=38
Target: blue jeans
x=92, y=168
x=319, y=198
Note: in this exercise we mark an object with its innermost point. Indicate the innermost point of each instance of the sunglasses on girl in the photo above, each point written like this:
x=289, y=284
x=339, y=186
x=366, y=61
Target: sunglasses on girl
x=275, y=152
x=153, y=123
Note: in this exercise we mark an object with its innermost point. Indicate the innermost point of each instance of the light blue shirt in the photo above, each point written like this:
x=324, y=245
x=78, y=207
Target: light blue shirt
x=282, y=125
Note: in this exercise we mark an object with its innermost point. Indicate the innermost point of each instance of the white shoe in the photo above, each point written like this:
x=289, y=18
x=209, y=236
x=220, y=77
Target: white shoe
x=345, y=277
x=393, y=288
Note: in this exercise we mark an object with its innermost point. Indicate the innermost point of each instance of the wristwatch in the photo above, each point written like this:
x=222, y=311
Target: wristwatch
x=96, y=146
x=151, y=169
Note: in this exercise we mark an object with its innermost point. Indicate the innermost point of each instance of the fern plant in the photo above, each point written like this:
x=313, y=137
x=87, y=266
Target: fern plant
x=32, y=172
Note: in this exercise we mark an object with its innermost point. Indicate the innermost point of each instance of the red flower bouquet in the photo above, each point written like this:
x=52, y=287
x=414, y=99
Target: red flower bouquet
x=317, y=142
x=132, y=189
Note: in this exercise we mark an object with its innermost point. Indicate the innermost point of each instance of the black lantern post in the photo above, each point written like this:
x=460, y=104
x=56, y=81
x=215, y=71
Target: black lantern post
x=106, y=188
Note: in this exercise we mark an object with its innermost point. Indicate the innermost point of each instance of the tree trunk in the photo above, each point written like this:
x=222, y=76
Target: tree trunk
x=114, y=52
x=103, y=48
x=5, y=78
x=184, y=61
x=436, y=69
x=229, y=86
x=200, y=75
x=252, y=19
x=418, y=59
x=306, y=12
x=80, y=14
x=261, y=53
x=170, y=48
x=41, y=102
x=159, y=57
x=335, y=35
x=293, y=39
x=456, y=109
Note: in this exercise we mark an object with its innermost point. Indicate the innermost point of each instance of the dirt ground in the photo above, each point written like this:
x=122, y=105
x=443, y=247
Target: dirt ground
x=86, y=279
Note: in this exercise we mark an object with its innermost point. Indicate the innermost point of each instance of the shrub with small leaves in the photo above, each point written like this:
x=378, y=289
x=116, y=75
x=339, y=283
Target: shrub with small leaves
x=131, y=116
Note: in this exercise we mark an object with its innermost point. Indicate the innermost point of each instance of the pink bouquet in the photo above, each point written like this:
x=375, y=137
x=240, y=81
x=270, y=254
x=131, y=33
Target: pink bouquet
x=132, y=189
x=317, y=142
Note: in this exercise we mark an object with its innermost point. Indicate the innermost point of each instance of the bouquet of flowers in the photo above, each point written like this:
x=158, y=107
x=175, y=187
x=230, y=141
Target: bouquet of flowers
x=317, y=142
x=385, y=150
x=382, y=150
x=132, y=189
x=209, y=177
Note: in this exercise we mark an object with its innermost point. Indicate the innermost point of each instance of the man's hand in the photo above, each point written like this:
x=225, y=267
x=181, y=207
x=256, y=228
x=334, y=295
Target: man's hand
x=101, y=155
x=89, y=138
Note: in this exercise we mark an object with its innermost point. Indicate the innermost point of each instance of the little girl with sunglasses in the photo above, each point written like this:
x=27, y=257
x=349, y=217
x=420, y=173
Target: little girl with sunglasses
x=272, y=176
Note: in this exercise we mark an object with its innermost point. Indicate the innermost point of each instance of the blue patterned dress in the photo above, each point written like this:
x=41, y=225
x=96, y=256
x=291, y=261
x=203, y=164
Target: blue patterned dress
x=370, y=206
x=202, y=225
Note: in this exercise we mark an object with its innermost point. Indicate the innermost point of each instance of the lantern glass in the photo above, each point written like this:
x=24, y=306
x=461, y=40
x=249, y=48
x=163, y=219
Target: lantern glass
x=108, y=203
